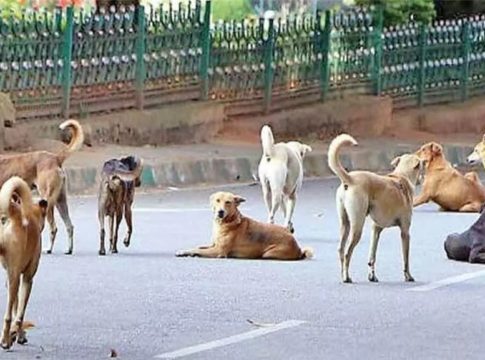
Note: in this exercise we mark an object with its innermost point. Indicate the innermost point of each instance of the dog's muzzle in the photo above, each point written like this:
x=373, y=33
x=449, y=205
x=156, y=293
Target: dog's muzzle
x=220, y=214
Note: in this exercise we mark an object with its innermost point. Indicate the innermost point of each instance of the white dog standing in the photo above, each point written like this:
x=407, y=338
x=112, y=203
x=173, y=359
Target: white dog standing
x=281, y=174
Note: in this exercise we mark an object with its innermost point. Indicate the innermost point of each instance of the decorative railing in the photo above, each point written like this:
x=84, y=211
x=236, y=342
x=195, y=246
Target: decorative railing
x=66, y=63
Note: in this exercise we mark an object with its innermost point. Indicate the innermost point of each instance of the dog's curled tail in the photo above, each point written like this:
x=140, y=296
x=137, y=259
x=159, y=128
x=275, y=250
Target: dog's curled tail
x=267, y=140
x=77, y=138
x=133, y=174
x=15, y=185
x=333, y=160
x=307, y=253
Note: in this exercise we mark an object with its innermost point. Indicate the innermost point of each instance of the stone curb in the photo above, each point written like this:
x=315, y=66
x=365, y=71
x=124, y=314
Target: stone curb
x=243, y=169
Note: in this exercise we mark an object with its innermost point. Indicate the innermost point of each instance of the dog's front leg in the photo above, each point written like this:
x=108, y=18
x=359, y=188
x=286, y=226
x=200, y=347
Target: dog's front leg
x=13, y=289
x=102, y=232
x=420, y=199
x=209, y=252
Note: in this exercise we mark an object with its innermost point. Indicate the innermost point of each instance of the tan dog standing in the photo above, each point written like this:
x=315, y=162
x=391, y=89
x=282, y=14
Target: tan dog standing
x=281, y=175
x=237, y=236
x=445, y=185
x=44, y=170
x=20, y=247
x=386, y=199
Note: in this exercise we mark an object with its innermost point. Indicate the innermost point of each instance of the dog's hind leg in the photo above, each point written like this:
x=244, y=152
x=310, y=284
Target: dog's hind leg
x=13, y=289
x=471, y=207
x=356, y=208
x=405, y=239
x=63, y=209
x=129, y=224
x=266, y=196
x=52, y=226
x=289, y=209
x=344, y=231
x=376, y=233
x=282, y=253
x=114, y=244
x=25, y=289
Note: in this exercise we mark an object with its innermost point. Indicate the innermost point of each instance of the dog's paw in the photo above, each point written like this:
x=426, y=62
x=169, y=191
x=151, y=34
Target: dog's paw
x=408, y=278
x=347, y=280
x=126, y=242
x=102, y=252
x=22, y=339
x=6, y=343
x=182, y=254
x=114, y=251
x=68, y=252
x=373, y=278
x=48, y=251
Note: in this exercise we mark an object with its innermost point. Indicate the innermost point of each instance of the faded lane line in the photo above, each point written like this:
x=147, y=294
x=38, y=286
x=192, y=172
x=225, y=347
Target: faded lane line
x=229, y=340
x=448, y=281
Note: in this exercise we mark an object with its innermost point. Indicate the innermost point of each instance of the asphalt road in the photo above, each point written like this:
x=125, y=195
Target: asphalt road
x=145, y=302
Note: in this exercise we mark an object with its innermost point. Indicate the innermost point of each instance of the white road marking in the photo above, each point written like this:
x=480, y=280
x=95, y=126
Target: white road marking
x=174, y=210
x=229, y=340
x=448, y=281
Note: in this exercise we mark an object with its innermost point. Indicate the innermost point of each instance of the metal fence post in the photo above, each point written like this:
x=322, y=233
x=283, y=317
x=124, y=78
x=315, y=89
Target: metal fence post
x=325, y=53
x=140, y=72
x=378, y=50
x=66, y=62
x=206, y=47
x=268, y=65
x=466, y=60
x=422, y=60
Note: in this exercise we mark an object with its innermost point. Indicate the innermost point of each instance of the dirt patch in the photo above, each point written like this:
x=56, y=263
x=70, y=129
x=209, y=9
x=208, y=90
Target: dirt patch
x=361, y=116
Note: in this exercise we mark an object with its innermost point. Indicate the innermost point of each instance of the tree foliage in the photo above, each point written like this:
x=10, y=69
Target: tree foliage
x=401, y=11
x=231, y=9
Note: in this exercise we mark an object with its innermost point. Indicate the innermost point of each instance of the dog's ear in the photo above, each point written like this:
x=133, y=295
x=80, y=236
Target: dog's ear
x=238, y=199
x=395, y=161
x=306, y=149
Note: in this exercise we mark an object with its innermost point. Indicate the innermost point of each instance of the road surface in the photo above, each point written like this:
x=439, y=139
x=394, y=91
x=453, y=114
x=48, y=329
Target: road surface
x=145, y=303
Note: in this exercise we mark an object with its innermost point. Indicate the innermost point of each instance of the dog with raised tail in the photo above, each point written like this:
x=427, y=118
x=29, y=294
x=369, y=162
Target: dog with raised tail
x=281, y=175
x=21, y=224
x=43, y=170
x=387, y=199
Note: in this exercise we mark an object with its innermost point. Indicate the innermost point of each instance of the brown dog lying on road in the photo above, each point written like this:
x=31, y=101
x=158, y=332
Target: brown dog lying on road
x=237, y=236
x=445, y=185
x=115, y=197
x=44, y=170
x=20, y=247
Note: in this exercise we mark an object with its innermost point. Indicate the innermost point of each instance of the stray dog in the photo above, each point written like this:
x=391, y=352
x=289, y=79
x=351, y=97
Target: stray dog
x=445, y=185
x=478, y=154
x=115, y=197
x=387, y=199
x=281, y=174
x=43, y=170
x=237, y=236
x=21, y=225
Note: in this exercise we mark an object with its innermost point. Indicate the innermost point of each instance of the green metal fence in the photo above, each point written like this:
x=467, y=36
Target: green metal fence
x=65, y=63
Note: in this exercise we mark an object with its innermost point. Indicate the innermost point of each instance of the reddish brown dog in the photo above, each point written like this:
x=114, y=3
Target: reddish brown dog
x=237, y=236
x=445, y=185
x=21, y=226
